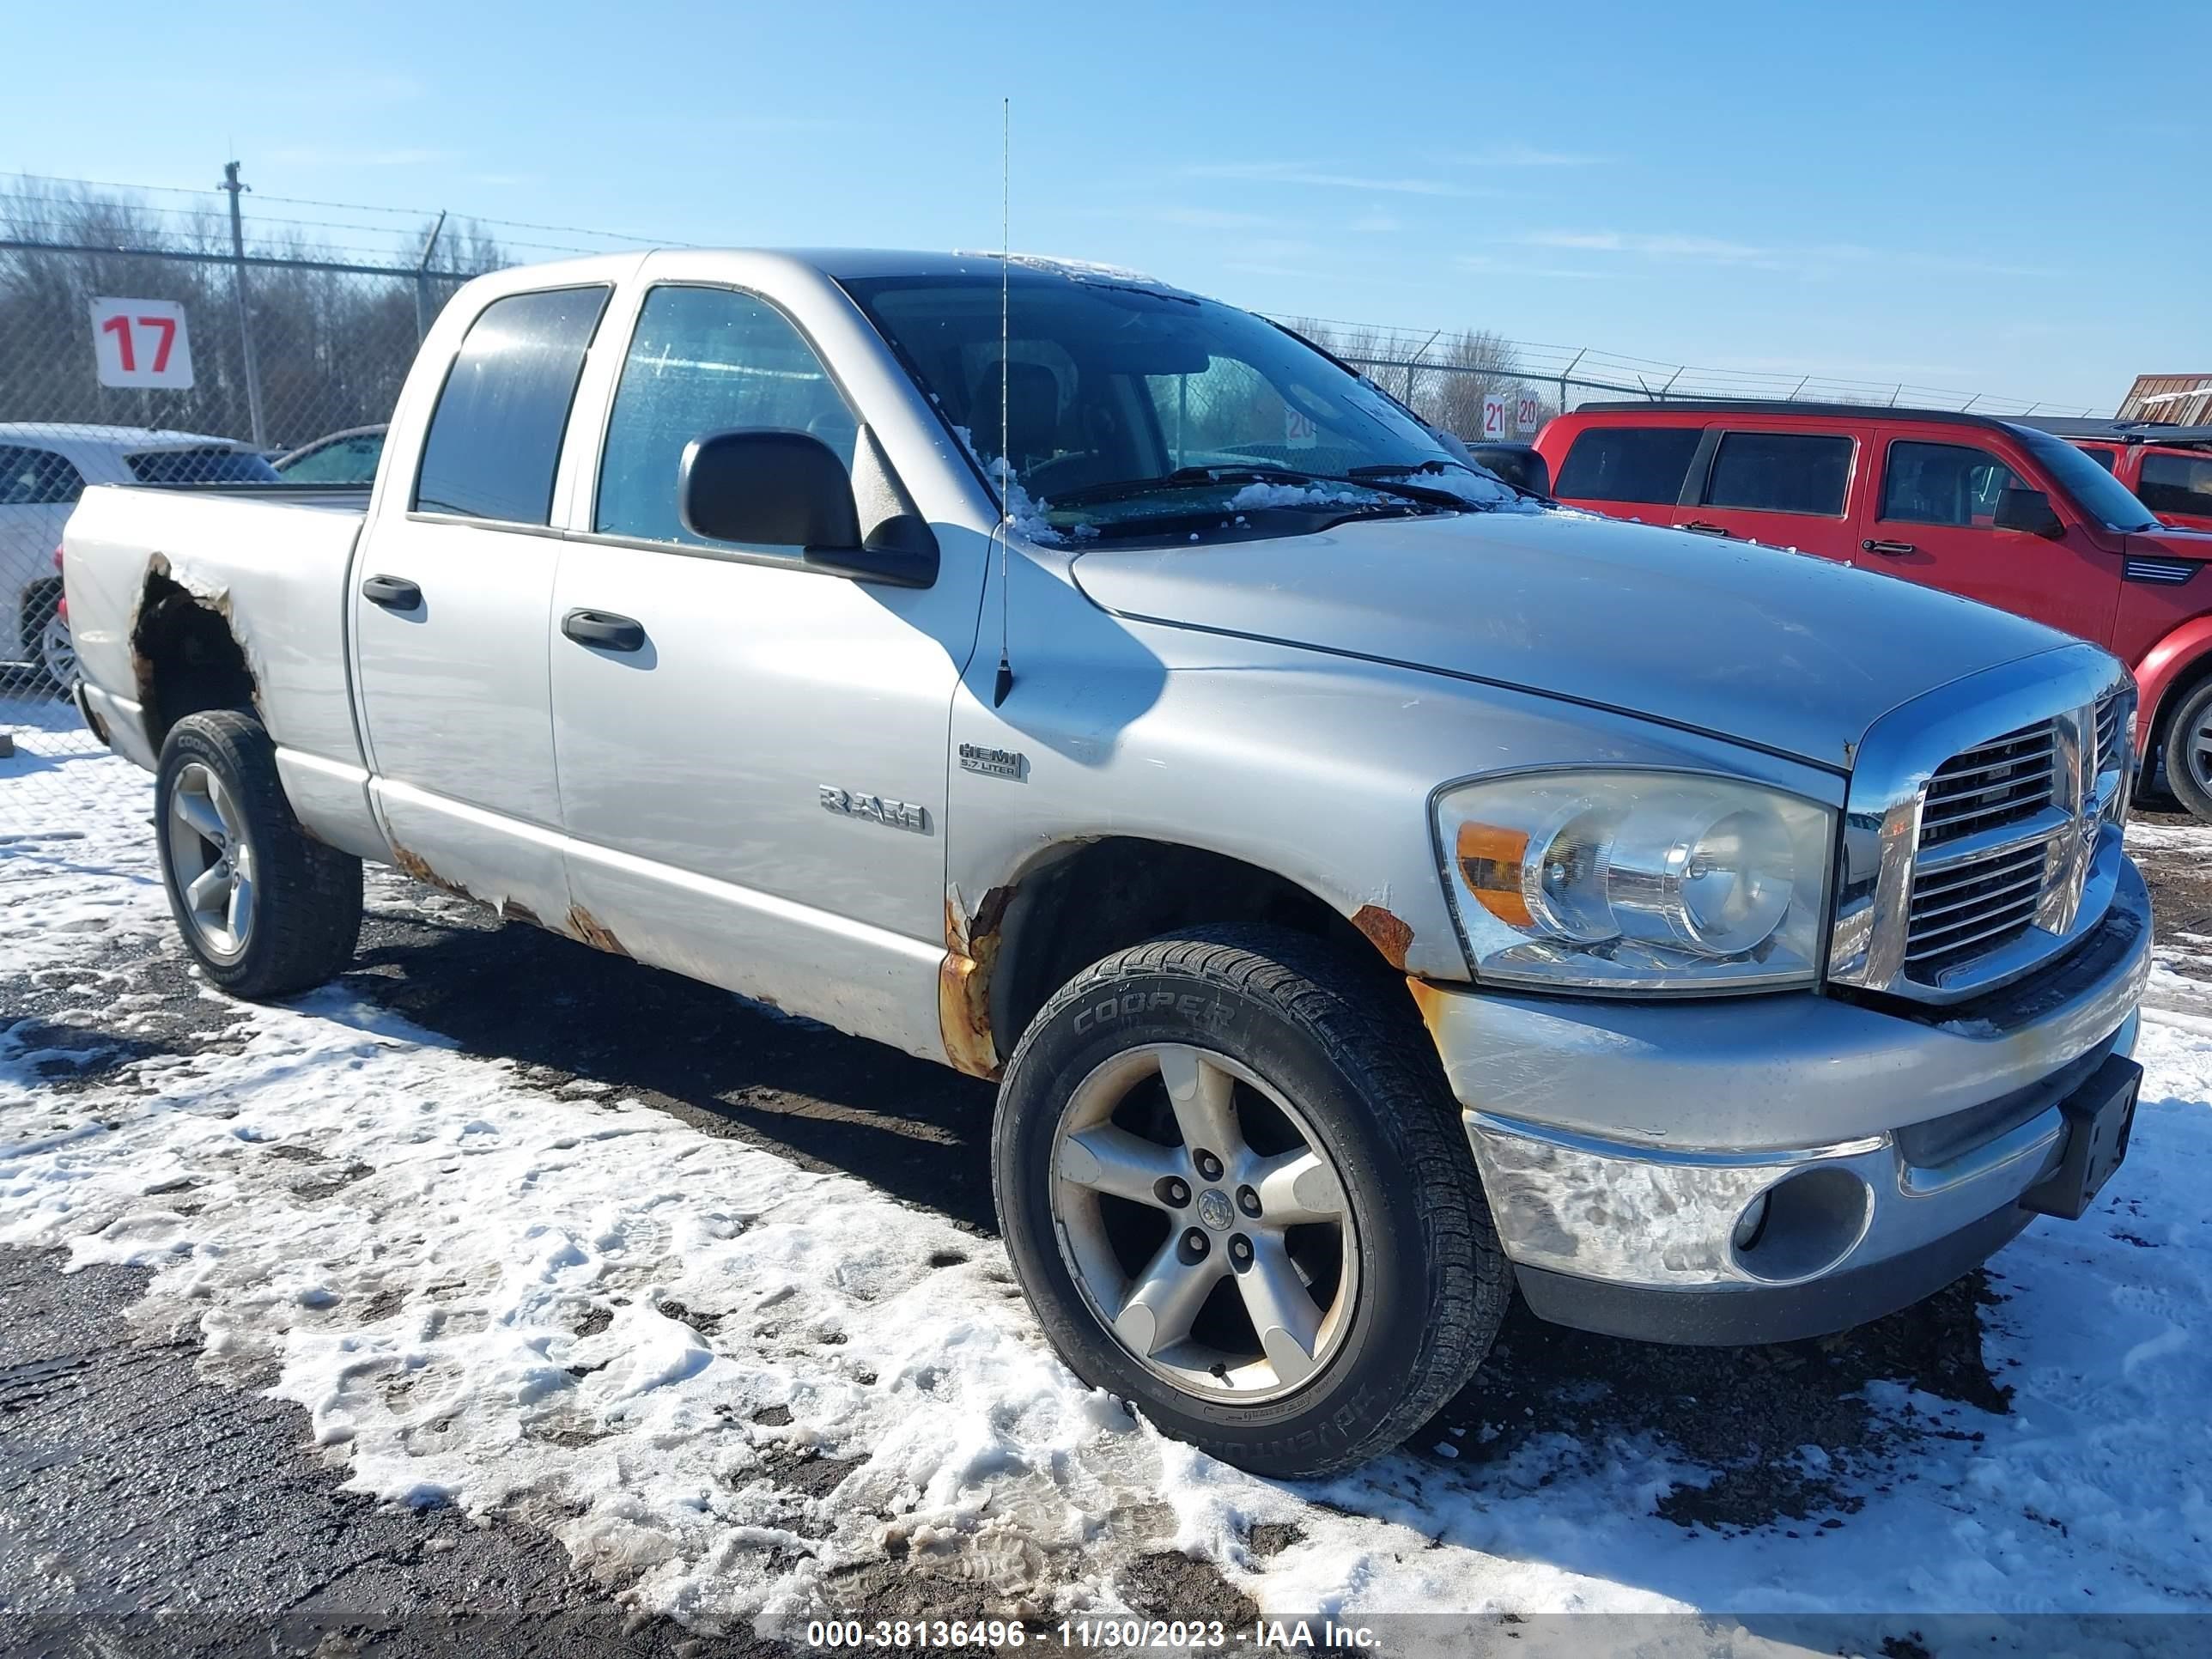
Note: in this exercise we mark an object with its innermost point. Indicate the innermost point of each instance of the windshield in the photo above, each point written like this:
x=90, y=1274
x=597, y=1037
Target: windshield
x=1126, y=404
x=2096, y=491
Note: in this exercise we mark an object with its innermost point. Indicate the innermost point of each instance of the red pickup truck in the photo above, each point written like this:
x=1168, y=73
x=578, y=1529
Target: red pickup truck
x=1995, y=510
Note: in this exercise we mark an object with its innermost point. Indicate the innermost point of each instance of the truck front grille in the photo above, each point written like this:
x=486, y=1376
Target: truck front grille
x=1970, y=860
x=2007, y=780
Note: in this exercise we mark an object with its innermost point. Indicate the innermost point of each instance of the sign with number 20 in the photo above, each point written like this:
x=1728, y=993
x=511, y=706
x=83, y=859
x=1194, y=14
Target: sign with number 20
x=142, y=343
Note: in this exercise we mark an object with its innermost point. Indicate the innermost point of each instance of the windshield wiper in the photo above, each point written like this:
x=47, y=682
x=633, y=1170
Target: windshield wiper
x=1183, y=477
x=1369, y=475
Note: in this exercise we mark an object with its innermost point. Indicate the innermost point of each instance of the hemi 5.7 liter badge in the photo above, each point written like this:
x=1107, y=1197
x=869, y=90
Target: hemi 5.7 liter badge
x=993, y=762
x=899, y=814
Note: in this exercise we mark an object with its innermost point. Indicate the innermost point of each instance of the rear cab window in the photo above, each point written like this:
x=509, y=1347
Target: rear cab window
x=494, y=439
x=1628, y=464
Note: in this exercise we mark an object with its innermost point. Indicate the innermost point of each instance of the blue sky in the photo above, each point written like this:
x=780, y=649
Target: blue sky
x=2007, y=198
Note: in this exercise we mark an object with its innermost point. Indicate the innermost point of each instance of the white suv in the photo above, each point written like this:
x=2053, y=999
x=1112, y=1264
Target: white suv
x=44, y=467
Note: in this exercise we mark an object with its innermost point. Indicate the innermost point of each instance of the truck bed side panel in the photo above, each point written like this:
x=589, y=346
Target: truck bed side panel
x=277, y=572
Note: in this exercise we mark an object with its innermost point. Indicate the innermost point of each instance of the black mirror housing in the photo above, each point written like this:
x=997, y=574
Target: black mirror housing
x=789, y=490
x=2029, y=511
x=1519, y=464
x=781, y=488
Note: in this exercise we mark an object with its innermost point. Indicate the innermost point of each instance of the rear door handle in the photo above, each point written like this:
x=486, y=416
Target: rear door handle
x=604, y=629
x=1703, y=529
x=393, y=592
x=1889, y=550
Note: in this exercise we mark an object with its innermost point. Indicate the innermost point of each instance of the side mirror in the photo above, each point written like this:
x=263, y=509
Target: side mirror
x=789, y=490
x=1517, y=464
x=2029, y=510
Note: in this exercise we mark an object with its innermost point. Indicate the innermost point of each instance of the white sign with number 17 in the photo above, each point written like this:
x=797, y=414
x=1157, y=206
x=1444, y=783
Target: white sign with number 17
x=142, y=343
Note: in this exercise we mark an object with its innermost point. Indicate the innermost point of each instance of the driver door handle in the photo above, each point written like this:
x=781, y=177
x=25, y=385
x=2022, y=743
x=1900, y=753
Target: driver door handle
x=393, y=592
x=604, y=629
x=1702, y=528
x=1889, y=550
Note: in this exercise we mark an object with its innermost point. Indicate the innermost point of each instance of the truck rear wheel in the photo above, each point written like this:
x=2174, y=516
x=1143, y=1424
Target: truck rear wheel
x=1238, y=1193
x=2188, y=752
x=265, y=910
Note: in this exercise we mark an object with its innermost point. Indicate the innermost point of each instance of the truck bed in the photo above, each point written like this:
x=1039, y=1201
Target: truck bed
x=271, y=562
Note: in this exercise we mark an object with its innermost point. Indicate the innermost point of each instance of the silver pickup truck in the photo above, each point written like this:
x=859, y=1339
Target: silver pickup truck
x=1370, y=887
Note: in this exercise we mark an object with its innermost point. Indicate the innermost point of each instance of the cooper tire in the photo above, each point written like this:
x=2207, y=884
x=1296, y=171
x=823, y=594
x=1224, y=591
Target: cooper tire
x=222, y=822
x=1293, y=1026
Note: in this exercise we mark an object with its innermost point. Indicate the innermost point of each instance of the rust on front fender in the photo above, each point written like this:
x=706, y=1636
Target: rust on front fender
x=963, y=983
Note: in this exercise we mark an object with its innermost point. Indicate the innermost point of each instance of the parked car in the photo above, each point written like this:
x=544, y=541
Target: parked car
x=1994, y=510
x=2169, y=468
x=338, y=458
x=44, y=467
x=1368, y=888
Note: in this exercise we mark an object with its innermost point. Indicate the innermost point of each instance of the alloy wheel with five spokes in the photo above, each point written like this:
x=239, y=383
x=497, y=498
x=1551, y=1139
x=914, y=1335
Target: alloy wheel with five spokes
x=213, y=860
x=1204, y=1223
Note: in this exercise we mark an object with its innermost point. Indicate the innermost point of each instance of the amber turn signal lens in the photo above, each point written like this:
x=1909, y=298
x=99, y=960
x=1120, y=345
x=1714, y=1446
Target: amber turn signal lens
x=1490, y=858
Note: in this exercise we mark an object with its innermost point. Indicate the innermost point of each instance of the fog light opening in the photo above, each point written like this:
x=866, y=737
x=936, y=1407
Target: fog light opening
x=1804, y=1224
x=1751, y=1225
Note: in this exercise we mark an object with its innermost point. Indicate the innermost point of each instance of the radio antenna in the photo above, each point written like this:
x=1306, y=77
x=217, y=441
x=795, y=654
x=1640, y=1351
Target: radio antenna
x=1005, y=680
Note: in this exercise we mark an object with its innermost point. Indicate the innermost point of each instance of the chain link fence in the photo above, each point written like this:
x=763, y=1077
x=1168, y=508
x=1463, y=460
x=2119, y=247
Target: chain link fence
x=1484, y=386
x=175, y=346
x=172, y=337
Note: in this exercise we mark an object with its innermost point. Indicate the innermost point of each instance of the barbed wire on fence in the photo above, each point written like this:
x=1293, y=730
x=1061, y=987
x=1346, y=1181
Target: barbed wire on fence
x=291, y=334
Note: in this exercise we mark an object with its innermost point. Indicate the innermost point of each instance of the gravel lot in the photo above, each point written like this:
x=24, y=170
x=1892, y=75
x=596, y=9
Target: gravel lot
x=181, y=1465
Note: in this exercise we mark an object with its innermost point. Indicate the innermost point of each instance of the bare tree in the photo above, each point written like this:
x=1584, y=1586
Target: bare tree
x=333, y=346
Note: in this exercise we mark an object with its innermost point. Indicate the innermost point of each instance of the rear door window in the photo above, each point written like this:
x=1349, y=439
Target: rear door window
x=1781, y=473
x=2107, y=459
x=1628, y=464
x=37, y=477
x=1943, y=484
x=495, y=439
x=2176, y=484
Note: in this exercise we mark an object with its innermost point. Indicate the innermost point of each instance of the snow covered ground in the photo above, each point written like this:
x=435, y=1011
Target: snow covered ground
x=735, y=1389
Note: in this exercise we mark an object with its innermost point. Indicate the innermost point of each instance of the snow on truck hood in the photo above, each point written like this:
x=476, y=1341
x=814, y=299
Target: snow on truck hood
x=1794, y=653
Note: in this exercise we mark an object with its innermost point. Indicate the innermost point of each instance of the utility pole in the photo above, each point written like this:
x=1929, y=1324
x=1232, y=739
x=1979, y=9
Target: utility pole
x=230, y=183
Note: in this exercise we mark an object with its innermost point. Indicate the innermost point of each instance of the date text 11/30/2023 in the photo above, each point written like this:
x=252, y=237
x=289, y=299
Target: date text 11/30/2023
x=1084, y=1634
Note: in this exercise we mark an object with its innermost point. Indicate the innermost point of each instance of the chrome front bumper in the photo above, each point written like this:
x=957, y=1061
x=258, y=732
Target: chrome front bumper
x=1626, y=1148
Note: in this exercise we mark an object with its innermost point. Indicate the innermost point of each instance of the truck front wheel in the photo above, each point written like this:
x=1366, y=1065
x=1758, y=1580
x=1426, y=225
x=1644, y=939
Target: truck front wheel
x=1235, y=1189
x=265, y=910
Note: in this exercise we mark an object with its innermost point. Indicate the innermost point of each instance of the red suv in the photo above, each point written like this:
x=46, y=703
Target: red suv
x=1998, y=511
x=2169, y=468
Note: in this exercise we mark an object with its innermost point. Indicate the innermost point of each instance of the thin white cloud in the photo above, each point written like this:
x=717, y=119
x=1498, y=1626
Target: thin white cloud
x=1825, y=259
x=1482, y=264
x=315, y=156
x=1522, y=155
x=1292, y=173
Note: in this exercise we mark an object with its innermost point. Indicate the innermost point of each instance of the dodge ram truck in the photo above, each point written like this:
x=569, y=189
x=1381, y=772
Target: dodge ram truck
x=1370, y=887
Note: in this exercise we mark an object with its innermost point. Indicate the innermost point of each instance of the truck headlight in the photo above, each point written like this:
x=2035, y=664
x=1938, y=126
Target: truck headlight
x=1637, y=881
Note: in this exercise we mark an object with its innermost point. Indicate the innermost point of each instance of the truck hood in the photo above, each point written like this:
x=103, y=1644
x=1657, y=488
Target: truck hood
x=1790, y=652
